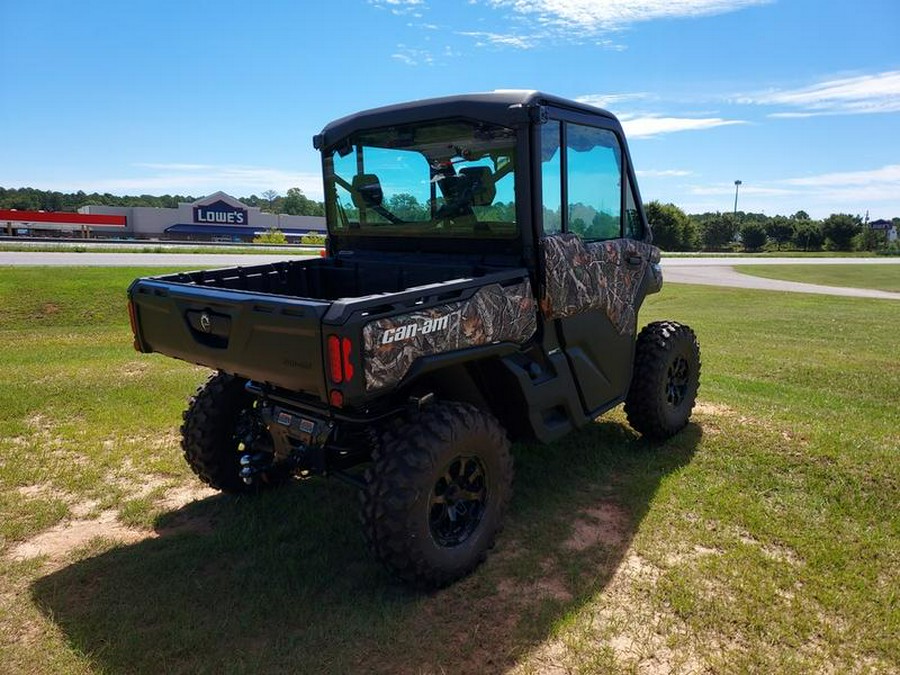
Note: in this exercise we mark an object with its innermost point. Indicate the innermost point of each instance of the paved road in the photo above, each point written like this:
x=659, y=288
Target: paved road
x=710, y=271
x=713, y=261
x=187, y=261
x=725, y=275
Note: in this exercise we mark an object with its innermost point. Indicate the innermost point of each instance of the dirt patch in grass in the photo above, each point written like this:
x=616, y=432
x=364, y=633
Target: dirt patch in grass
x=79, y=508
x=500, y=616
x=58, y=542
x=170, y=440
x=46, y=310
x=712, y=409
x=772, y=551
x=619, y=625
x=43, y=436
x=604, y=524
x=551, y=585
x=181, y=522
x=135, y=369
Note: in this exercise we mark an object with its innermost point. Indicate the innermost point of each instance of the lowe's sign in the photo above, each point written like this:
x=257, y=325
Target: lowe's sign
x=220, y=213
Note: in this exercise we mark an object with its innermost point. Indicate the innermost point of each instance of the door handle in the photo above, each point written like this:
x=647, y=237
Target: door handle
x=634, y=260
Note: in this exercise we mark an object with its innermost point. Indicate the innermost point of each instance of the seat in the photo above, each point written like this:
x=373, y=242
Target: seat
x=480, y=185
x=473, y=186
x=366, y=191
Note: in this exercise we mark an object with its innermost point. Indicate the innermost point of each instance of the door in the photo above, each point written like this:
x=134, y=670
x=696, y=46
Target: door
x=595, y=261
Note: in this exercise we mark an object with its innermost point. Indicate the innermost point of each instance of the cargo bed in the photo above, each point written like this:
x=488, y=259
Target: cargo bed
x=264, y=322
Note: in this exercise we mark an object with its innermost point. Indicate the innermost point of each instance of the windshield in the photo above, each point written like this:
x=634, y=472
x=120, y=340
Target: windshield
x=447, y=179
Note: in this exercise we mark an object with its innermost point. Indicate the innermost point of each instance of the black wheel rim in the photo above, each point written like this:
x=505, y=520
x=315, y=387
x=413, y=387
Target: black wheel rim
x=458, y=501
x=677, y=380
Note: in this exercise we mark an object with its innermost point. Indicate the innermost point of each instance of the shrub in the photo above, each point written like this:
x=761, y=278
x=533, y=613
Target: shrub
x=718, y=232
x=313, y=239
x=672, y=229
x=780, y=230
x=808, y=235
x=840, y=229
x=271, y=236
x=753, y=236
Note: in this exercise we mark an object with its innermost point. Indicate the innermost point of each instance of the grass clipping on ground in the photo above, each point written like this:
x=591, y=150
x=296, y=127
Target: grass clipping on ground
x=764, y=538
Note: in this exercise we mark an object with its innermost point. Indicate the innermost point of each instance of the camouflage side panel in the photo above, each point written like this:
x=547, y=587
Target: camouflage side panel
x=582, y=277
x=494, y=314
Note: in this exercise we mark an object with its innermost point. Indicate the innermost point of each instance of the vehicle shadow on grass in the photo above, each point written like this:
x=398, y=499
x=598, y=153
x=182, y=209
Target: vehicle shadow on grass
x=283, y=583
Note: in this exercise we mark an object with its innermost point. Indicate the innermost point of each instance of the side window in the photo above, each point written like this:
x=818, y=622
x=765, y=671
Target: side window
x=551, y=177
x=593, y=179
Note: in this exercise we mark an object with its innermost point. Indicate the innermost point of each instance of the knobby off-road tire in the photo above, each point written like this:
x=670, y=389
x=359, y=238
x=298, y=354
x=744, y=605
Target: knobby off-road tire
x=219, y=416
x=665, y=379
x=436, y=493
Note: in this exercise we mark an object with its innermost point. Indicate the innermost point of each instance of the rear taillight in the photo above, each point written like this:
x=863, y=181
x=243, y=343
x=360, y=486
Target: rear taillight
x=340, y=353
x=346, y=349
x=334, y=359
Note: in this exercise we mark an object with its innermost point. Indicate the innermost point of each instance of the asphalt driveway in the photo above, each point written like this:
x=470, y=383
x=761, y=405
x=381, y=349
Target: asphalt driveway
x=726, y=272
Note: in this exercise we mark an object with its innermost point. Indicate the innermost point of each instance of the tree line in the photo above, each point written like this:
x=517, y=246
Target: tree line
x=294, y=203
x=673, y=229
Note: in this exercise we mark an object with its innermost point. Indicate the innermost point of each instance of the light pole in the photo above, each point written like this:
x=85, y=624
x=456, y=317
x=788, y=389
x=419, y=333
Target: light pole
x=737, y=184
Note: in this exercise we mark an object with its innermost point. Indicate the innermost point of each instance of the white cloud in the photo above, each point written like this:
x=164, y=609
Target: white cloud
x=863, y=94
x=595, y=16
x=404, y=58
x=412, y=56
x=588, y=21
x=484, y=38
x=400, y=7
x=648, y=126
x=663, y=173
x=877, y=190
x=887, y=175
x=745, y=191
x=610, y=101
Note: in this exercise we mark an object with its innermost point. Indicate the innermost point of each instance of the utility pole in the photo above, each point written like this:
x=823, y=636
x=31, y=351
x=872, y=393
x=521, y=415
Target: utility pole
x=737, y=184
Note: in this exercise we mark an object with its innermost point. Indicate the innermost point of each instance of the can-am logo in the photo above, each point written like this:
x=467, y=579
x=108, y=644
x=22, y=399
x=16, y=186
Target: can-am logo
x=220, y=213
x=411, y=330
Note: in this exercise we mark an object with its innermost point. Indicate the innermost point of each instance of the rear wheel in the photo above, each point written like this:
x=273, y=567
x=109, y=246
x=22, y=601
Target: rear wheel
x=436, y=493
x=221, y=424
x=665, y=379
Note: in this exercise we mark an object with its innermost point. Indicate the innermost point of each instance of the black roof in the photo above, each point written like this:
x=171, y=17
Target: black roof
x=506, y=107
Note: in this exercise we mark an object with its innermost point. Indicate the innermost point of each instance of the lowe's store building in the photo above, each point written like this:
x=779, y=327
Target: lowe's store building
x=217, y=217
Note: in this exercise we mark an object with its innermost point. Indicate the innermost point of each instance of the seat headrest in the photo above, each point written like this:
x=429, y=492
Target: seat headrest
x=481, y=185
x=367, y=191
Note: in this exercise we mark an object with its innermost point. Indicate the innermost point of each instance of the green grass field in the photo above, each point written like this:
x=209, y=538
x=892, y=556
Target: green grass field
x=884, y=277
x=770, y=254
x=763, y=538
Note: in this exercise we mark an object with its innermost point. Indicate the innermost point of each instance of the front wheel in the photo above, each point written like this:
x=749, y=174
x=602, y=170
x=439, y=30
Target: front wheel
x=664, y=381
x=436, y=493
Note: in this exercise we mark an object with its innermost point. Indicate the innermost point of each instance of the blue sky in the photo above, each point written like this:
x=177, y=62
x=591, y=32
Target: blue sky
x=799, y=99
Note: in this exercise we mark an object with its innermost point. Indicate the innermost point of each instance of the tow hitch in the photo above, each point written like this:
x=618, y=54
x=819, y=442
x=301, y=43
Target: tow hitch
x=297, y=445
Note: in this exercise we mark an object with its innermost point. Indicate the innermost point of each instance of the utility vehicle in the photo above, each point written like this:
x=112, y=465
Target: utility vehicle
x=487, y=257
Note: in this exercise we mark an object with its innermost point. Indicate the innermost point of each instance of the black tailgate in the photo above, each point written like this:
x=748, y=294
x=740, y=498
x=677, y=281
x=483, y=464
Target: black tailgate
x=267, y=338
